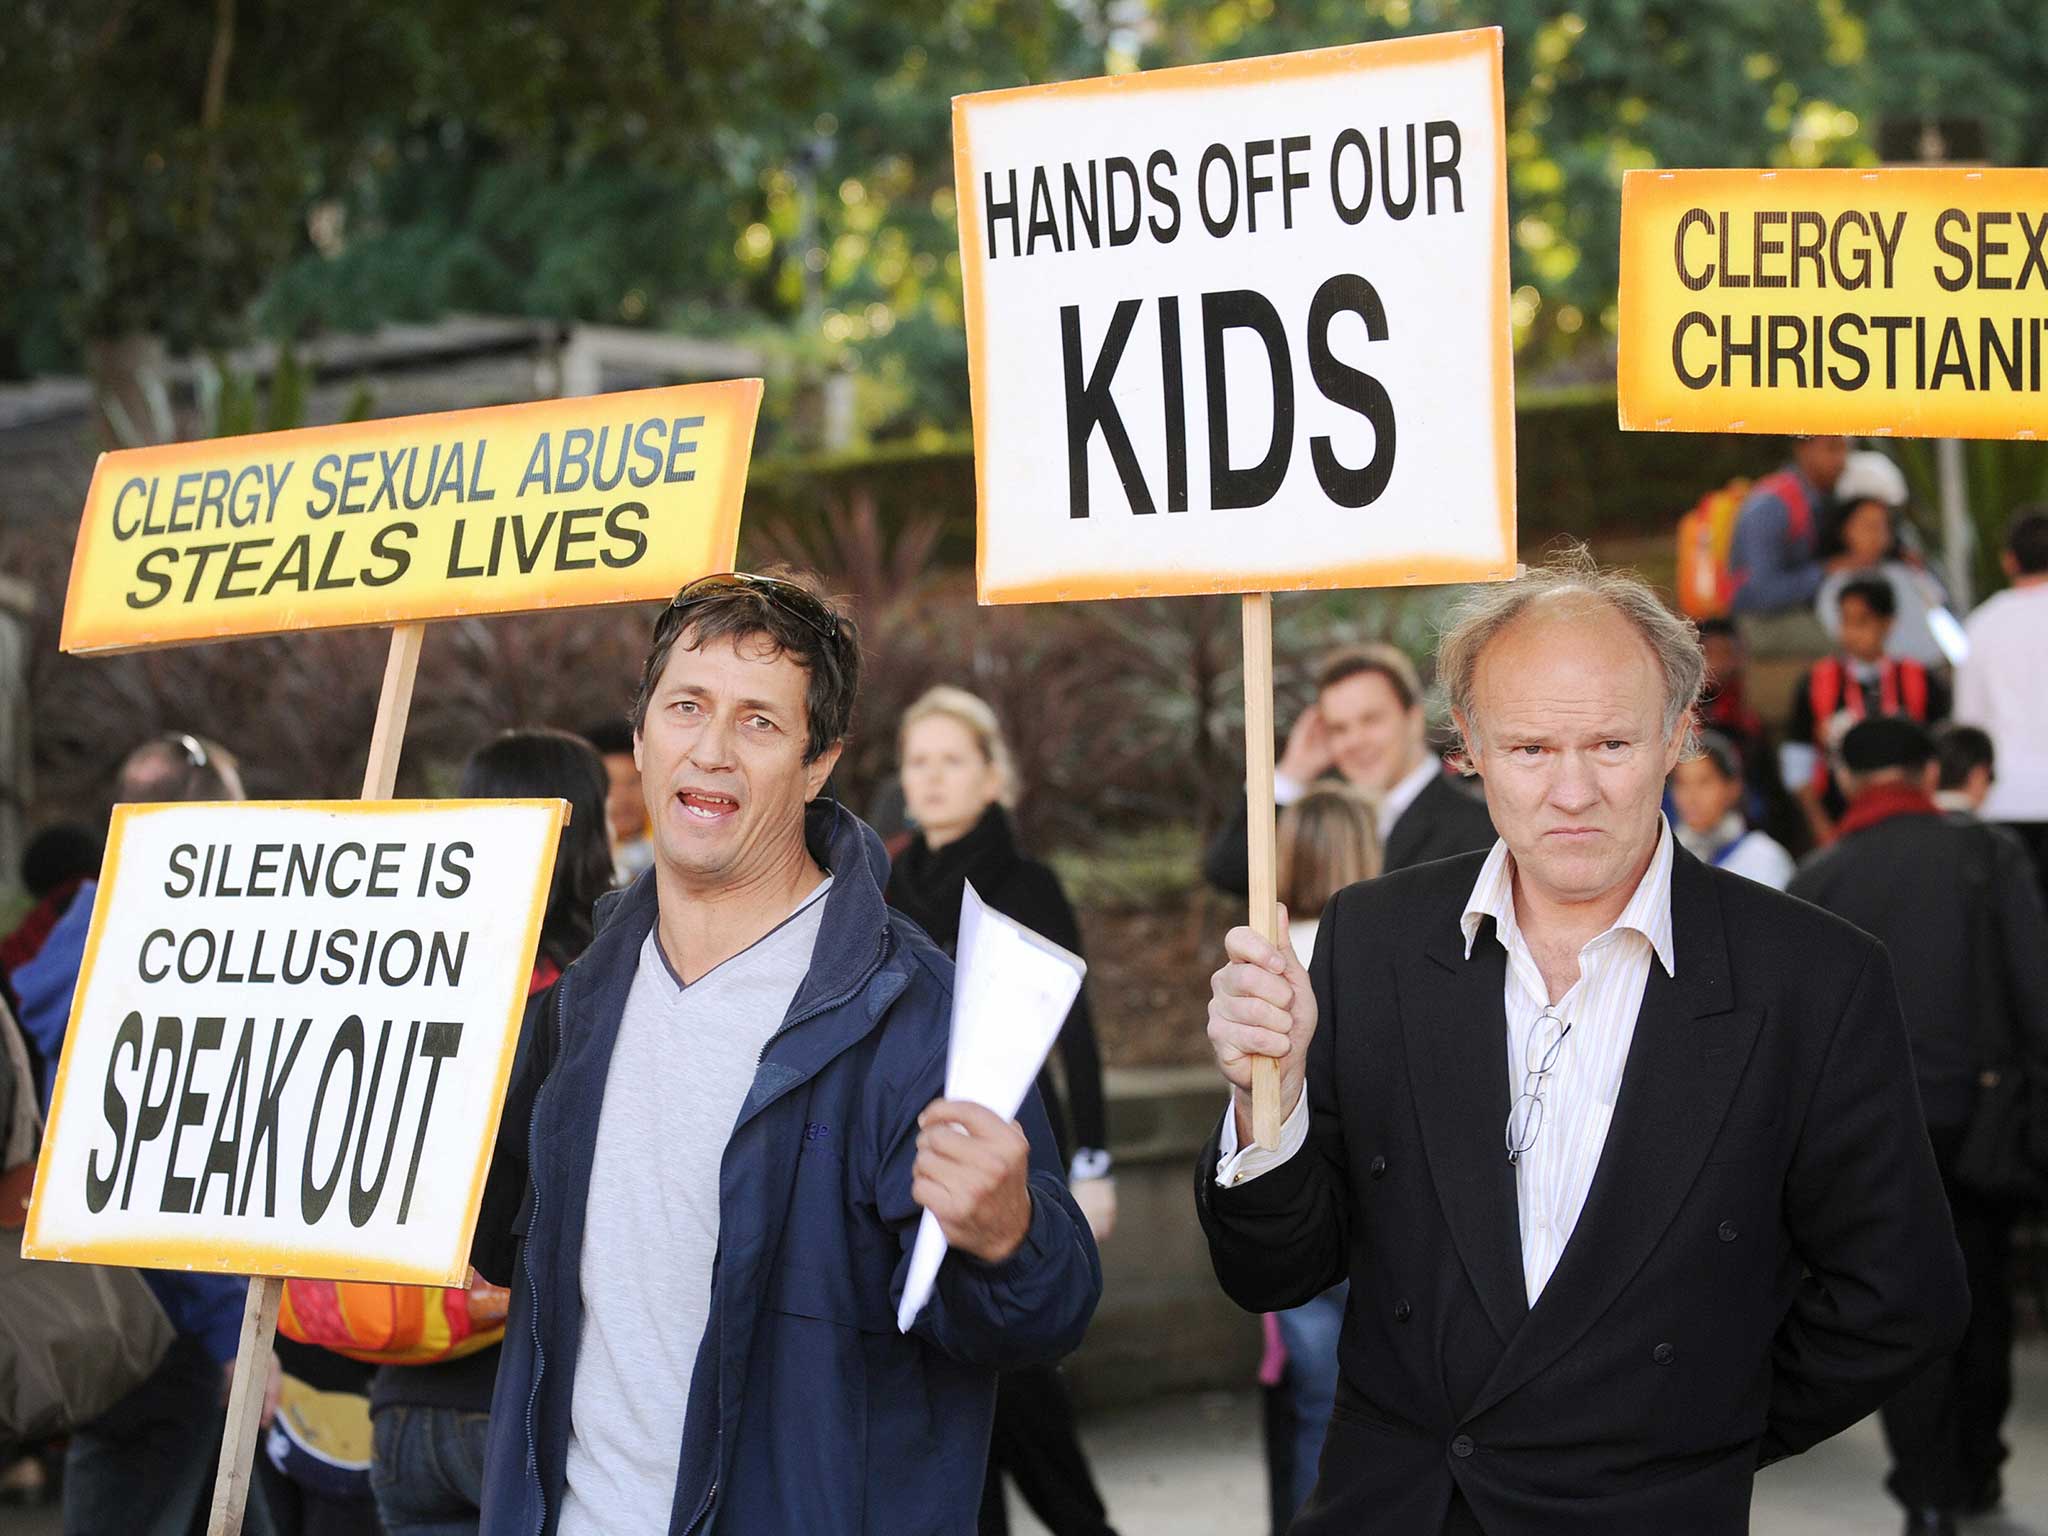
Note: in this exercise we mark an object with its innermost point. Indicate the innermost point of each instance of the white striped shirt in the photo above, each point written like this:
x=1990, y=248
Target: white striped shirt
x=1556, y=1172
x=1554, y=1175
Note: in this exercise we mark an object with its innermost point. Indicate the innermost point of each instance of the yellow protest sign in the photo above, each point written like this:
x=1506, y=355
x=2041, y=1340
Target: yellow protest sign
x=1909, y=301
x=561, y=503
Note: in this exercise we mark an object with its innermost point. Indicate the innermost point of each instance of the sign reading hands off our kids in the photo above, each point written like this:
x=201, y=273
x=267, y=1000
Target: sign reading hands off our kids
x=291, y=1037
x=1241, y=327
x=1909, y=301
x=561, y=503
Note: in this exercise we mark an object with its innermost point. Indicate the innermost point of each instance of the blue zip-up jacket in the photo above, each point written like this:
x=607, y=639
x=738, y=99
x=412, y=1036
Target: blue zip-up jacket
x=1774, y=563
x=809, y=1414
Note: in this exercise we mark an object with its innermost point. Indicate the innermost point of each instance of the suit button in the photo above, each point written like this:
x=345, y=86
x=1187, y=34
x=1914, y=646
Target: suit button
x=1663, y=1354
x=1377, y=1167
x=1462, y=1446
x=1729, y=1232
x=1402, y=1311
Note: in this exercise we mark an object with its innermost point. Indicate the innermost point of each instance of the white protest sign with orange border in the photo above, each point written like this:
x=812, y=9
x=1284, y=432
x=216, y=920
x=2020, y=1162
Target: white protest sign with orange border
x=291, y=1037
x=554, y=504
x=1242, y=327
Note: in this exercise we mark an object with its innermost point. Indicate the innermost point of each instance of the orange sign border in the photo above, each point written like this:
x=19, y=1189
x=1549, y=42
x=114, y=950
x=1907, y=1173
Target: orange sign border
x=324, y=1261
x=736, y=421
x=1311, y=63
x=1636, y=380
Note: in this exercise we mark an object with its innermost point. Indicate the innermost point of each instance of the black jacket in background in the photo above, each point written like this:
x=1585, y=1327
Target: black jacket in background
x=1764, y=1257
x=1439, y=823
x=1956, y=904
x=925, y=887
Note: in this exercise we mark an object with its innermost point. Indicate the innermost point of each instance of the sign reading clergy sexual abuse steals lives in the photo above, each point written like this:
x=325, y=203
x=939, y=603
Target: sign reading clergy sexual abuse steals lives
x=1242, y=326
x=560, y=503
x=291, y=1037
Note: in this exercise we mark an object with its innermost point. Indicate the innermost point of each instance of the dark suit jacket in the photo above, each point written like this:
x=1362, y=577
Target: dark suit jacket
x=1441, y=821
x=1764, y=1257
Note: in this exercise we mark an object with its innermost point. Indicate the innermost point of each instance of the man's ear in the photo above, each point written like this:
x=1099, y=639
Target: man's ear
x=1930, y=777
x=819, y=769
x=1674, y=747
x=637, y=731
x=1466, y=757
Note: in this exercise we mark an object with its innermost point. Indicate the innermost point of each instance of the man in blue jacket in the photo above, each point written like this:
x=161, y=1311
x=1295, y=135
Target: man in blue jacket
x=713, y=1162
x=1774, y=561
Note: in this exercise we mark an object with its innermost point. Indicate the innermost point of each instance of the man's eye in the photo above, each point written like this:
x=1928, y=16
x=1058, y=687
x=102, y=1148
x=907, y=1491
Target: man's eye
x=1615, y=746
x=1528, y=749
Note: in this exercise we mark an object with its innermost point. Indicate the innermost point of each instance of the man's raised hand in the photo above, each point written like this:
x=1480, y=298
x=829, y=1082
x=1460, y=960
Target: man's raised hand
x=1260, y=1004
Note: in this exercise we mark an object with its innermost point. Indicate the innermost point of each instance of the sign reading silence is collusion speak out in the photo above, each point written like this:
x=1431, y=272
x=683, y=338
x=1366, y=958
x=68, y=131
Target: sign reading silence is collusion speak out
x=291, y=1037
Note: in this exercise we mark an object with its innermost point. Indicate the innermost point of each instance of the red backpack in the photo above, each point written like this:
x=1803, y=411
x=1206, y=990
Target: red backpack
x=1901, y=690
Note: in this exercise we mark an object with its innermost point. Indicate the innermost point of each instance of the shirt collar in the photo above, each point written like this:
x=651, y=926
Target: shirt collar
x=1648, y=911
x=1395, y=802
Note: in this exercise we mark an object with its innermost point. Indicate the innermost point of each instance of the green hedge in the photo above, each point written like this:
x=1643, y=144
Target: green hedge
x=1578, y=474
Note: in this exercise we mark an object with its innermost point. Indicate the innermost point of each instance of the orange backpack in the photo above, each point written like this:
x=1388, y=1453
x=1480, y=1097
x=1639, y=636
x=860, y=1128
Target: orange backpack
x=1705, y=535
x=394, y=1324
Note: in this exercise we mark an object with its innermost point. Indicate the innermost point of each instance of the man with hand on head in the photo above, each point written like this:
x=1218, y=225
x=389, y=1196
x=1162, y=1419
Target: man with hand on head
x=1620, y=1153
x=710, y=1171
x=1367, y=727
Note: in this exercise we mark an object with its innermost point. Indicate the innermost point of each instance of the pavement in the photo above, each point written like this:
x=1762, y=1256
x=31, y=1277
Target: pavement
x=1190, y=1466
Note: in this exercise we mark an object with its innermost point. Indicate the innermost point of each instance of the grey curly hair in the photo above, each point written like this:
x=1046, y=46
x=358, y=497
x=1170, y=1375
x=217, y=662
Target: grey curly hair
x=1573, y=573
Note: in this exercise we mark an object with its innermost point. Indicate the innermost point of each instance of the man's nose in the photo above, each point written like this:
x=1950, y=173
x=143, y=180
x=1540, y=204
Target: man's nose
x=711, y=746
x=1574, y=788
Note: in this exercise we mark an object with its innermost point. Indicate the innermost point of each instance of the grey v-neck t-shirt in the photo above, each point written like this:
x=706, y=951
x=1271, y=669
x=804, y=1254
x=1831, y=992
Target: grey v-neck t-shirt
x=684, y=1061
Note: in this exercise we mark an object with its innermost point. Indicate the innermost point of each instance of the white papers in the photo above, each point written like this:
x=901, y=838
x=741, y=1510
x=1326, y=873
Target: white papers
x=1011, y=993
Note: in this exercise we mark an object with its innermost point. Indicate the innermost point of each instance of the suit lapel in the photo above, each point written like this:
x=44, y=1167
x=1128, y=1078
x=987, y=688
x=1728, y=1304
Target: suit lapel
x=1404, y=837
x=1457, y=1064
x=1687, y=1056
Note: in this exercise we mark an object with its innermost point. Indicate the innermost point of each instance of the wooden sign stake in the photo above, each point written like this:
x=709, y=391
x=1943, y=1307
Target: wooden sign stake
x=1259, y=821
x=233, y=1480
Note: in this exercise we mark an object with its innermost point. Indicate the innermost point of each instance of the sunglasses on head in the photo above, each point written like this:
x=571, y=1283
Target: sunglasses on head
x=798, y=602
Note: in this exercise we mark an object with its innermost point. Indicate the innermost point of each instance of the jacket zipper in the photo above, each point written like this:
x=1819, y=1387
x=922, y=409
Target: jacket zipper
x=526, y=1262
x=859, y=985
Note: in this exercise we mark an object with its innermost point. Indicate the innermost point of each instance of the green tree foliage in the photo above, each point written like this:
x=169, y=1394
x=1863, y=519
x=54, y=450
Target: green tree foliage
x=1593, y=88
x=781, y=172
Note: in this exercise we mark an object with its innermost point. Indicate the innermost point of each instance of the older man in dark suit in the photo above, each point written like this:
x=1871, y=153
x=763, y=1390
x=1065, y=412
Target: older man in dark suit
x=1620, y=1154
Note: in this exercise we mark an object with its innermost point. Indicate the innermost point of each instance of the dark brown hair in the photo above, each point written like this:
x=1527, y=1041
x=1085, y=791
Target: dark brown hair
x=740, y=612
x=553, y=765
x=1378, y=658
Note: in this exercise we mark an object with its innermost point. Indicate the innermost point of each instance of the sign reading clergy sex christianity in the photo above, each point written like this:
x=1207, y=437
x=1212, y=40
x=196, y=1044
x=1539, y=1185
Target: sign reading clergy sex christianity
x=291, y=1037
x=1909, y=301
x=555, y=504
x=1243, y=326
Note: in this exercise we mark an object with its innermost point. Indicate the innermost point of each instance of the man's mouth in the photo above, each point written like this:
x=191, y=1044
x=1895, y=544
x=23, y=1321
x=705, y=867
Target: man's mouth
x=706, y=804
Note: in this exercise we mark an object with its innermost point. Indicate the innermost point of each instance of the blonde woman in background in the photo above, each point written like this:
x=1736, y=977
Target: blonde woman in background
x=959, y=781
x=1329, y=839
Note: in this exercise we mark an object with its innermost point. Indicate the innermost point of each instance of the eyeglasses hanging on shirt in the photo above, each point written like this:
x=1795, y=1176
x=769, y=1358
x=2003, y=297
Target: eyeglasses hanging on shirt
x=1540, y=1049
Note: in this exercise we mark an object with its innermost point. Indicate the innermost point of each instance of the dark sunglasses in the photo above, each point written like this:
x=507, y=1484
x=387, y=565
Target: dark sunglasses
x=798, y=602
